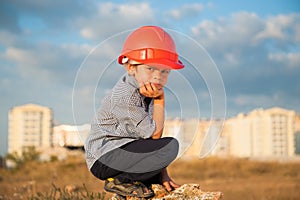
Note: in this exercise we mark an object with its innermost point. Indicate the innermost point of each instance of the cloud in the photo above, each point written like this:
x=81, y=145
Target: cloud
x=242, y=45
x=236, y=31
x=247, y=102
x=36, y=60
x=281, y=27
x=185, y=11
x=242, y=39
x=45, y=44
x=257, y=57
x=8, y=39
x=289, y=60
x=57, y=15
x=253, y=100
x=113, y=18
x=46, y=61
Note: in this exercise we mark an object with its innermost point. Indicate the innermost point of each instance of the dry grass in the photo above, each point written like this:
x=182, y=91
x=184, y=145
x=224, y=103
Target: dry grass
x=242, y=179
x=236, y=178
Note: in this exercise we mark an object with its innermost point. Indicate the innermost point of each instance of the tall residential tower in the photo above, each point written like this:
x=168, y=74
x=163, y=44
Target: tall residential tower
x=29, y=125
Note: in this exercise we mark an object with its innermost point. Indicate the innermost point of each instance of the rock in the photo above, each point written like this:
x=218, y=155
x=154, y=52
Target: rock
x=185, y=192
x=71, y=188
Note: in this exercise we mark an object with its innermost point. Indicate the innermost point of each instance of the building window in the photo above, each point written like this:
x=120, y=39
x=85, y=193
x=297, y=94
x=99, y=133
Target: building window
x=279, y=134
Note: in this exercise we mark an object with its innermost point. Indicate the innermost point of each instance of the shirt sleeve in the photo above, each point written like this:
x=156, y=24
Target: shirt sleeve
x=133, y=119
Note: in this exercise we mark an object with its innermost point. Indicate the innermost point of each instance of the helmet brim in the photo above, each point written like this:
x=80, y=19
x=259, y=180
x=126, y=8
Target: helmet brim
x=159, y=63
x=165, y=64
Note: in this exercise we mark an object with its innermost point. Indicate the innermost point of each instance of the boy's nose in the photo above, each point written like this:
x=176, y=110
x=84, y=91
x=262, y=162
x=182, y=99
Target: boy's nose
x=157, y=74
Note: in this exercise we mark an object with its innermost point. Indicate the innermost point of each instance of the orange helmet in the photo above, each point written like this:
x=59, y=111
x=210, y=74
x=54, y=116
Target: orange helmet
x=151, y=45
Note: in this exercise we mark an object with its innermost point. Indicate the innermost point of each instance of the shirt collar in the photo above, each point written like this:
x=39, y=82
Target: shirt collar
x=131, y=81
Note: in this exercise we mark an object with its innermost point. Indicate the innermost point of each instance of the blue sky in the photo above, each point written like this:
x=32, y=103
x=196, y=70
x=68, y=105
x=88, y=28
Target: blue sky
x=245, y=54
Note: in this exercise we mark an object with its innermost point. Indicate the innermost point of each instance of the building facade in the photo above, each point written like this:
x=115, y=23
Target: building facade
x=262, y=133
x=297, y=135
x=70, y=136
x=29, y=125
x=187, y=133
x=271, y=133
x=197, y=138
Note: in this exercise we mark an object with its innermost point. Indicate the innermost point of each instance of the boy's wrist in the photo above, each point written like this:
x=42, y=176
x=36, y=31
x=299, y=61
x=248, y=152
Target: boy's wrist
x=159, y=99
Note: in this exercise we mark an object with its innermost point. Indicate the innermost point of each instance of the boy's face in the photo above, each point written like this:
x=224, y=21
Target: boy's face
x=148, y=74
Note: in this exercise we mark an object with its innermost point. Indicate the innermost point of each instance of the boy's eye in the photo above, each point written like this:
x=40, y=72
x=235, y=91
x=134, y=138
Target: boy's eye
x=150, y=68
x=165, y=71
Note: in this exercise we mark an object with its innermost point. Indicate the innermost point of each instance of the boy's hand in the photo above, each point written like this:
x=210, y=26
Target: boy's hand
x=167, y=182
x=152, y=90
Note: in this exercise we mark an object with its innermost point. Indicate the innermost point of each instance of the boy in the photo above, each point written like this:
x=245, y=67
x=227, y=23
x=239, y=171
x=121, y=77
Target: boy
x=125, y=146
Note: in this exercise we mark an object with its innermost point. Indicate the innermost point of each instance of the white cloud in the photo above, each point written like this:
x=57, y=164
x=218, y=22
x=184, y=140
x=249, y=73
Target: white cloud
x=5, y=82
x=234, y=31
x=258, y=57
x=114, y=18
x=207, y=29
x=297, y=32
x=7, y=38
x=186, y=10
x=47, y=62
x=255, y=100
x=248, y=29
x=87, y=33
x=130, y=11
x=281, y=27
x=230, y=41
x=238, y=44
x=231, y=58
x=291, y=60
x=247, y=39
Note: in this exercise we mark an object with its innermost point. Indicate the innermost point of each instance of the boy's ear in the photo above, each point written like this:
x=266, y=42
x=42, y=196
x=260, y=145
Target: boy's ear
x=130, y=69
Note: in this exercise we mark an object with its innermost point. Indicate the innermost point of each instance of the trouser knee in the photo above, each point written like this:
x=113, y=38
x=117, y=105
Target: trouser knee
x=172, y=148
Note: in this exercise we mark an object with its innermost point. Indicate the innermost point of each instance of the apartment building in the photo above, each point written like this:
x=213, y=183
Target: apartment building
x=297, y=135
x=262, y=133
x=270, y=133
x=197, y=138
x=273, y=132
x=29, y=125
x=185, y=131
x=69, y=135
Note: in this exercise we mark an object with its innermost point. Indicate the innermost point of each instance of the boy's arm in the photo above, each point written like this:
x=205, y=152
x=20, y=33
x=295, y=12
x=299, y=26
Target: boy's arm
x=150, y=90
x=158, y=116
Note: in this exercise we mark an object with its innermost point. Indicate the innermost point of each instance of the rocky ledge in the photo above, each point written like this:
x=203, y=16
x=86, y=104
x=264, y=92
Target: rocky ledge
x=185, y=192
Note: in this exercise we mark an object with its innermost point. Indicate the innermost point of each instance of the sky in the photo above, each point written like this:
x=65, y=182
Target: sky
x=238, y=55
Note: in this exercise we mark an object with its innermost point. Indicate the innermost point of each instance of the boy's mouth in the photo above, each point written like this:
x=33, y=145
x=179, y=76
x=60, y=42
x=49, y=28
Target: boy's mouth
x=157, y=85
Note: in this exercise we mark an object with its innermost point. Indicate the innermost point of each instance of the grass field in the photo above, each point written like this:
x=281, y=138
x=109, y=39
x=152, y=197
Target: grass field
x=236, y=178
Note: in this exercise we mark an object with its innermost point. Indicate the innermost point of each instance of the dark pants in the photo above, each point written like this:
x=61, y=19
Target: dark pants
x=140, y=160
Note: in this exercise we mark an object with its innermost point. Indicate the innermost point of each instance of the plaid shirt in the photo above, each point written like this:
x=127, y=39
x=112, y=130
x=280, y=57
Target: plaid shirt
x=124, y=116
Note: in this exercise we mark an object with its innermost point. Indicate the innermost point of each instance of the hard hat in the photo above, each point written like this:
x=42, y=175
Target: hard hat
x=151, y=45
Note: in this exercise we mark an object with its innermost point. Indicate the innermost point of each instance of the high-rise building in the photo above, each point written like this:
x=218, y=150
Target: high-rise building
x=197, y=138
x=185, y=131
x=297, y=135
x=29, y=125
x=262, y=133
